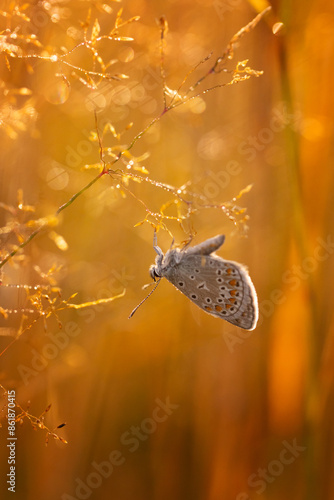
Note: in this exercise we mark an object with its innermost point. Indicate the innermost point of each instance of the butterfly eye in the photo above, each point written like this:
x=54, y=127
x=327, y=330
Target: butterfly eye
x=153, y=273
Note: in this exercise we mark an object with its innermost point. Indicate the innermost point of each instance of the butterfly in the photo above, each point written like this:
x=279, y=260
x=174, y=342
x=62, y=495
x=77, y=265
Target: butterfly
x=220, y=287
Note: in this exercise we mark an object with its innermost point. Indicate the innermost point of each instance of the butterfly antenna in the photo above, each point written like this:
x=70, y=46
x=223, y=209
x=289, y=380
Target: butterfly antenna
x=147, y=296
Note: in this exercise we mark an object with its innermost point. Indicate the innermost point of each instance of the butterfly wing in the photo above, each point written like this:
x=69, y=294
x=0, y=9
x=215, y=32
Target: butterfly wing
x=219, y=287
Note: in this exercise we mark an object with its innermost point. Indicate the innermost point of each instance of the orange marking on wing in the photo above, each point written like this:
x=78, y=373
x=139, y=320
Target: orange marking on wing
x=208, y=308
x=218, y=308
x=233, y=282
x=232, y=300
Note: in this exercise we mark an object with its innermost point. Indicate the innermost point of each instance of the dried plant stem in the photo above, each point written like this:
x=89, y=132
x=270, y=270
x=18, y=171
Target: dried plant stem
x=228, y=54
x=75, y=196
x=22, y=245
x=38, y=230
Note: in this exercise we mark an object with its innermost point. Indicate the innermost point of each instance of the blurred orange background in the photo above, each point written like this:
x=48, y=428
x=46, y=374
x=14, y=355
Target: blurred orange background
x=173, y=403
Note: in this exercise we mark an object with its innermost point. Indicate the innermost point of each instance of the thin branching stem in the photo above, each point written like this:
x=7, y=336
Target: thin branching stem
x=163, y=30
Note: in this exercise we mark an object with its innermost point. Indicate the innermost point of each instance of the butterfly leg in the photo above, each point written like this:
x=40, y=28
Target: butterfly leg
x=155, y=244
x=188, y=243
